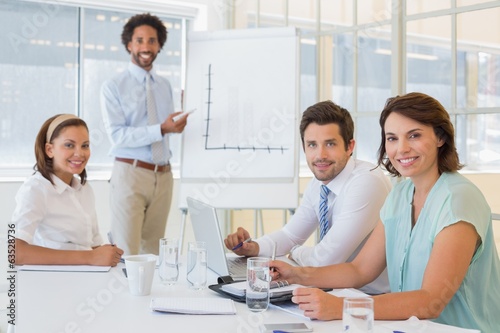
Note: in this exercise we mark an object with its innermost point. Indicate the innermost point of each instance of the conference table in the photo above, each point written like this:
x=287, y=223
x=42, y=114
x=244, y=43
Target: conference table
x=80, y=302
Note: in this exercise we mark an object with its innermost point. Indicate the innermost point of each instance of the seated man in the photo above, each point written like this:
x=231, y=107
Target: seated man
x=434, y=235
x=344, y=198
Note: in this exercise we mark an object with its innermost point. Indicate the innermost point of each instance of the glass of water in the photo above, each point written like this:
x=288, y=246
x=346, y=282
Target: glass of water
x=197, y=265
x=258, y=279
x=168, y=268
x=357, y=316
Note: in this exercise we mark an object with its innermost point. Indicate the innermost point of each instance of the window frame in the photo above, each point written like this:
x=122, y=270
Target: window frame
x=188, y=13
x=397, y=18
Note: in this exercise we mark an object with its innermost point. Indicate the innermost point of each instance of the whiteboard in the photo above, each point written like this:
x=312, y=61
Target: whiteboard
x=240, y=146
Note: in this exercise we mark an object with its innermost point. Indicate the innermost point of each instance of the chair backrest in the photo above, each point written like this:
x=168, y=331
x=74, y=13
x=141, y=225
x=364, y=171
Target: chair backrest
x=495, y=216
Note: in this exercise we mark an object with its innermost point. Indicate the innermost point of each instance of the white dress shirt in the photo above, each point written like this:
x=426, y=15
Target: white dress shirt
x=356, y=196
x=56, y=216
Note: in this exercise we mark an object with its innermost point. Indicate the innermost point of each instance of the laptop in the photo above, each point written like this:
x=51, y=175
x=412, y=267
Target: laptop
x=207, y=229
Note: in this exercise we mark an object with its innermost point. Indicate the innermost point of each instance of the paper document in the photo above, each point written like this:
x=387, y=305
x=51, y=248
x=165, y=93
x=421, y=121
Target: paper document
x=187, y=305
x=414, y=325
x=293, y=308
x=238, y=289
x=348, y=292
x=64, y=268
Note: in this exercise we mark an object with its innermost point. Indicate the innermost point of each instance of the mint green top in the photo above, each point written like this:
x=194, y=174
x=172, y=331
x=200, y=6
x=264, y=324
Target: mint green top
x=453, y=198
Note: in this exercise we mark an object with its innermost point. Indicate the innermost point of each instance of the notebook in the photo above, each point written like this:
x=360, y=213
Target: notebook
x=196, y=305
x=278, y=288
x=206, y=228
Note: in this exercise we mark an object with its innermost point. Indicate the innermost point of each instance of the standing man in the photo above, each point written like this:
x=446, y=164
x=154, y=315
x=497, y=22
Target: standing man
x=138, y=112
x=343, y=199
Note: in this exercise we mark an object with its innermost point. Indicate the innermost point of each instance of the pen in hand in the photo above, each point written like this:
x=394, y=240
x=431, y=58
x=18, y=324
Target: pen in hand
x=273, y=257
x=110, y=238
x=240, y=244
x=112, y=243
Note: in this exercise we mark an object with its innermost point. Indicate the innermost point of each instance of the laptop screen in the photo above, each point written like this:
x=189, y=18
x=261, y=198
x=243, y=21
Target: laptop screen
x=206, y=228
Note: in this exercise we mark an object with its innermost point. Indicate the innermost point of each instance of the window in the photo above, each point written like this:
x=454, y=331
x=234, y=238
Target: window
x=445, y=51
x=104, y=56
x=54, y=59
x=39, y=73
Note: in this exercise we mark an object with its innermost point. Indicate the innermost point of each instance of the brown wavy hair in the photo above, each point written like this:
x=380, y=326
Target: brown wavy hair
x=428, y=111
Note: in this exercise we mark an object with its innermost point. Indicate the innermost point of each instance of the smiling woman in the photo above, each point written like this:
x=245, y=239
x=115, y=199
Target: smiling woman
x=55, y=216
x=70, y=150
x=434, y=236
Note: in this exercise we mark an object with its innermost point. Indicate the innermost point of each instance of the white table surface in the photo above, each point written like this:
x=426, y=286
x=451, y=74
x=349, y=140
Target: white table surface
x=57, y=302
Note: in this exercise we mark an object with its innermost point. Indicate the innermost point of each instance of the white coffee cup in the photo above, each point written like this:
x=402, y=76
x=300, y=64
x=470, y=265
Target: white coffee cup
x=140, y=272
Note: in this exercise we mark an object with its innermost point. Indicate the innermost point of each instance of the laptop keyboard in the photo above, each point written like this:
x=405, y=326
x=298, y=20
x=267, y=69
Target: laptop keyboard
x=237, y=266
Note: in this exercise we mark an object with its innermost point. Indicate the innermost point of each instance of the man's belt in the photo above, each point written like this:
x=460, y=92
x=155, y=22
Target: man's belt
x=141, y=164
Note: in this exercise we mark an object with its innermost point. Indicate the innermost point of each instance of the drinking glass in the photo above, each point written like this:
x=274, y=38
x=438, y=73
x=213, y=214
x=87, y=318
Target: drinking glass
x=197, y=265
x=258, y=280
x=357, y=316
x=168, y=270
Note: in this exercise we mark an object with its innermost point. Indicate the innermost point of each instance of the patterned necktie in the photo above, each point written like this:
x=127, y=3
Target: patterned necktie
x=156, y=147
x=323, y=211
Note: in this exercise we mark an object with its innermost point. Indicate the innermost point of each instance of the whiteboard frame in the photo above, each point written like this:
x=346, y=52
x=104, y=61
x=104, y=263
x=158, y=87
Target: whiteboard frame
x=248, y=194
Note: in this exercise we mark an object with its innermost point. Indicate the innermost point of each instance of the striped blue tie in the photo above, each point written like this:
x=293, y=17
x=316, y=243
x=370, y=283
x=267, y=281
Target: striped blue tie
x=323, y=211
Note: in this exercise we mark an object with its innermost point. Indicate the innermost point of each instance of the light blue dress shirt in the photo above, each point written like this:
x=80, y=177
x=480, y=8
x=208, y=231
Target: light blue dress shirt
x=123, y=105
x=453, y=198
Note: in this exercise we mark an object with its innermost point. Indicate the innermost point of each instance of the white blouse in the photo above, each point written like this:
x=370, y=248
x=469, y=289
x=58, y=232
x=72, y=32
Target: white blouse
x=56, y=216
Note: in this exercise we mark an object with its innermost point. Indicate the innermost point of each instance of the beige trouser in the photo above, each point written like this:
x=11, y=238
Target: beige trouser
x=139, y=202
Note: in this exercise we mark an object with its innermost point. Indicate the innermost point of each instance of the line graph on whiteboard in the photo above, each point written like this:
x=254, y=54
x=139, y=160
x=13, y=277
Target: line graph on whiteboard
x=254, y=143
x=240, y=148
x=246, y=124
